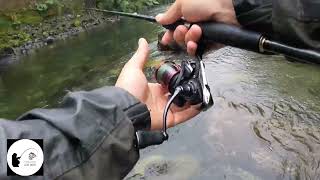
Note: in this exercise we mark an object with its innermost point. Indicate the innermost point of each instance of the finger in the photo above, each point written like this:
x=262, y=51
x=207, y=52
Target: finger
x=167, y=38
x=172, y=15
x=140, y=58
x=194, y=34
x=179, y=34
x=192, y=48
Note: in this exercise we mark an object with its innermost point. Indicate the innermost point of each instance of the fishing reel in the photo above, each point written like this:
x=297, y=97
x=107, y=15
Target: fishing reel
x=186, y=83
x=180, y=77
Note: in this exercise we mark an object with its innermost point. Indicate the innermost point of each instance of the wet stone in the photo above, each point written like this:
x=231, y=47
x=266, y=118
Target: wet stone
x=157, y=169
x=6, y=52
x=49, y=40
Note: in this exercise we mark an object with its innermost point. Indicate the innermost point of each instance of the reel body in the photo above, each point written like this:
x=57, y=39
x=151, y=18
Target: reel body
x=187, y=83
x=171, y=75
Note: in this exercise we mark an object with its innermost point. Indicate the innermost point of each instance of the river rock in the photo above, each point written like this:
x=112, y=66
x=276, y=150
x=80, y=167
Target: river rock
x=6, y=52
x=49, y=40
x=23, y=51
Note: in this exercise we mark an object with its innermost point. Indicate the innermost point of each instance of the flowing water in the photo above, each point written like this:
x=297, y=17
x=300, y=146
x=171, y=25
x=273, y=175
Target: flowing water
x=265, y=123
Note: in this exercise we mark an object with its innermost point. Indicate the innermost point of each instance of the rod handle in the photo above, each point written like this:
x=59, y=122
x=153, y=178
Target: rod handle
x=174, y=25
x=230, y=35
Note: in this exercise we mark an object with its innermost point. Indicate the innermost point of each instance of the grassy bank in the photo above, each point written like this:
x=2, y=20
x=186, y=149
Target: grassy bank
x=129, y=5
x=36, y=20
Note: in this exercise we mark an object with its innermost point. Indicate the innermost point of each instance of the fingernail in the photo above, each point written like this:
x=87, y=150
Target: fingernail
x=140, y=40
x=159, y=17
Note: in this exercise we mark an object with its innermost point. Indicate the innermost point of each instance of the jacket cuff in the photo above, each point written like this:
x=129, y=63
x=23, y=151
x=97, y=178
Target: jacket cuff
x=236, y=5
x=136, y=111
x=242, y=6
x=140, y=116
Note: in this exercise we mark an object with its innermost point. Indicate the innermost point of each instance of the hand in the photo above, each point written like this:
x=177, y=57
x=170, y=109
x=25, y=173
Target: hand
x=153, y=95
x=195, y=11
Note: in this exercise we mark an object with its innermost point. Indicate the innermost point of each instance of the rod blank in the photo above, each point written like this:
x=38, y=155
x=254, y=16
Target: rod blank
x=296, y=53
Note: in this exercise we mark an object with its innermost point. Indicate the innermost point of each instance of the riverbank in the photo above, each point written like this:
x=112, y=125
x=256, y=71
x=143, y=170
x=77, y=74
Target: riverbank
x=36, y=36
x=26, y=27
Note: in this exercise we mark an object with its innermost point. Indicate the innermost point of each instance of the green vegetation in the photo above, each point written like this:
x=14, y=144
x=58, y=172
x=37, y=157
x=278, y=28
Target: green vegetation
x=126, y=5
x=12, y=22
x=13, y=39
x=49, y=7
x=77, y=22
x=10, y=33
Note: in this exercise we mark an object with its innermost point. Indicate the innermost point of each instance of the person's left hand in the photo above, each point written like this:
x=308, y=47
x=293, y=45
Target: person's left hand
x=153, y=95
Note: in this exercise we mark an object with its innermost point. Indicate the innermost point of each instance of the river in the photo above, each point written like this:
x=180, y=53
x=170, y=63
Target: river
x=264, y=124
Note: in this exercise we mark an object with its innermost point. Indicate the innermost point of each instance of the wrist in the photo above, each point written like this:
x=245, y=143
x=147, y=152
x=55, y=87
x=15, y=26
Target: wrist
x=139, y=116
x=135, y=110
x=155, y=116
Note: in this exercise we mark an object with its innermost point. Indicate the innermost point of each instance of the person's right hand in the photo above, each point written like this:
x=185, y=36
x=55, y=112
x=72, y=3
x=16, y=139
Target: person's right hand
x=195, y=11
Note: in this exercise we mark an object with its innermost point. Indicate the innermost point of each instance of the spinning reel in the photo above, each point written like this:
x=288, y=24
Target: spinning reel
x=187, y=83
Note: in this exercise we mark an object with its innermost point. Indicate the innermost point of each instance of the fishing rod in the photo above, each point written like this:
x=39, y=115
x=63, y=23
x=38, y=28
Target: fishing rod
x=141, y=17
x=186, y=82
x=234, y=36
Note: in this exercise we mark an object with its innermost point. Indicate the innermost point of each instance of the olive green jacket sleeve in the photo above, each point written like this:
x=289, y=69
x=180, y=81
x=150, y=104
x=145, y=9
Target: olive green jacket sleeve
x=90, y=136
x=296, y=22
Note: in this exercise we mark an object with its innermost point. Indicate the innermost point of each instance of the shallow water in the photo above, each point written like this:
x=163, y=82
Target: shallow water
x=264, y=124
x=91, y=60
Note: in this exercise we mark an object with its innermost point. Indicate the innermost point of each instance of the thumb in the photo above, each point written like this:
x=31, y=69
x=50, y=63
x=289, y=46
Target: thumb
x=140, y=58
x=172, y=15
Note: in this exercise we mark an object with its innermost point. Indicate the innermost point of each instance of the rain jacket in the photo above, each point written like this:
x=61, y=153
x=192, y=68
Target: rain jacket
x=90, y=136
x=296, y=22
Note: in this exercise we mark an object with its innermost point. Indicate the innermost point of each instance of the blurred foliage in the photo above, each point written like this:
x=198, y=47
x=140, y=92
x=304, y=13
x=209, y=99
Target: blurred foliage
x=12, y=21
x=10, y=35
x=49, y=7
x=126, y=5
x=5, y=24
x=77, y=22
x=13, y=38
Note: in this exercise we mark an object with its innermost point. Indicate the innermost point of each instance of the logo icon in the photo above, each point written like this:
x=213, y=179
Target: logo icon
x=25, y=157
